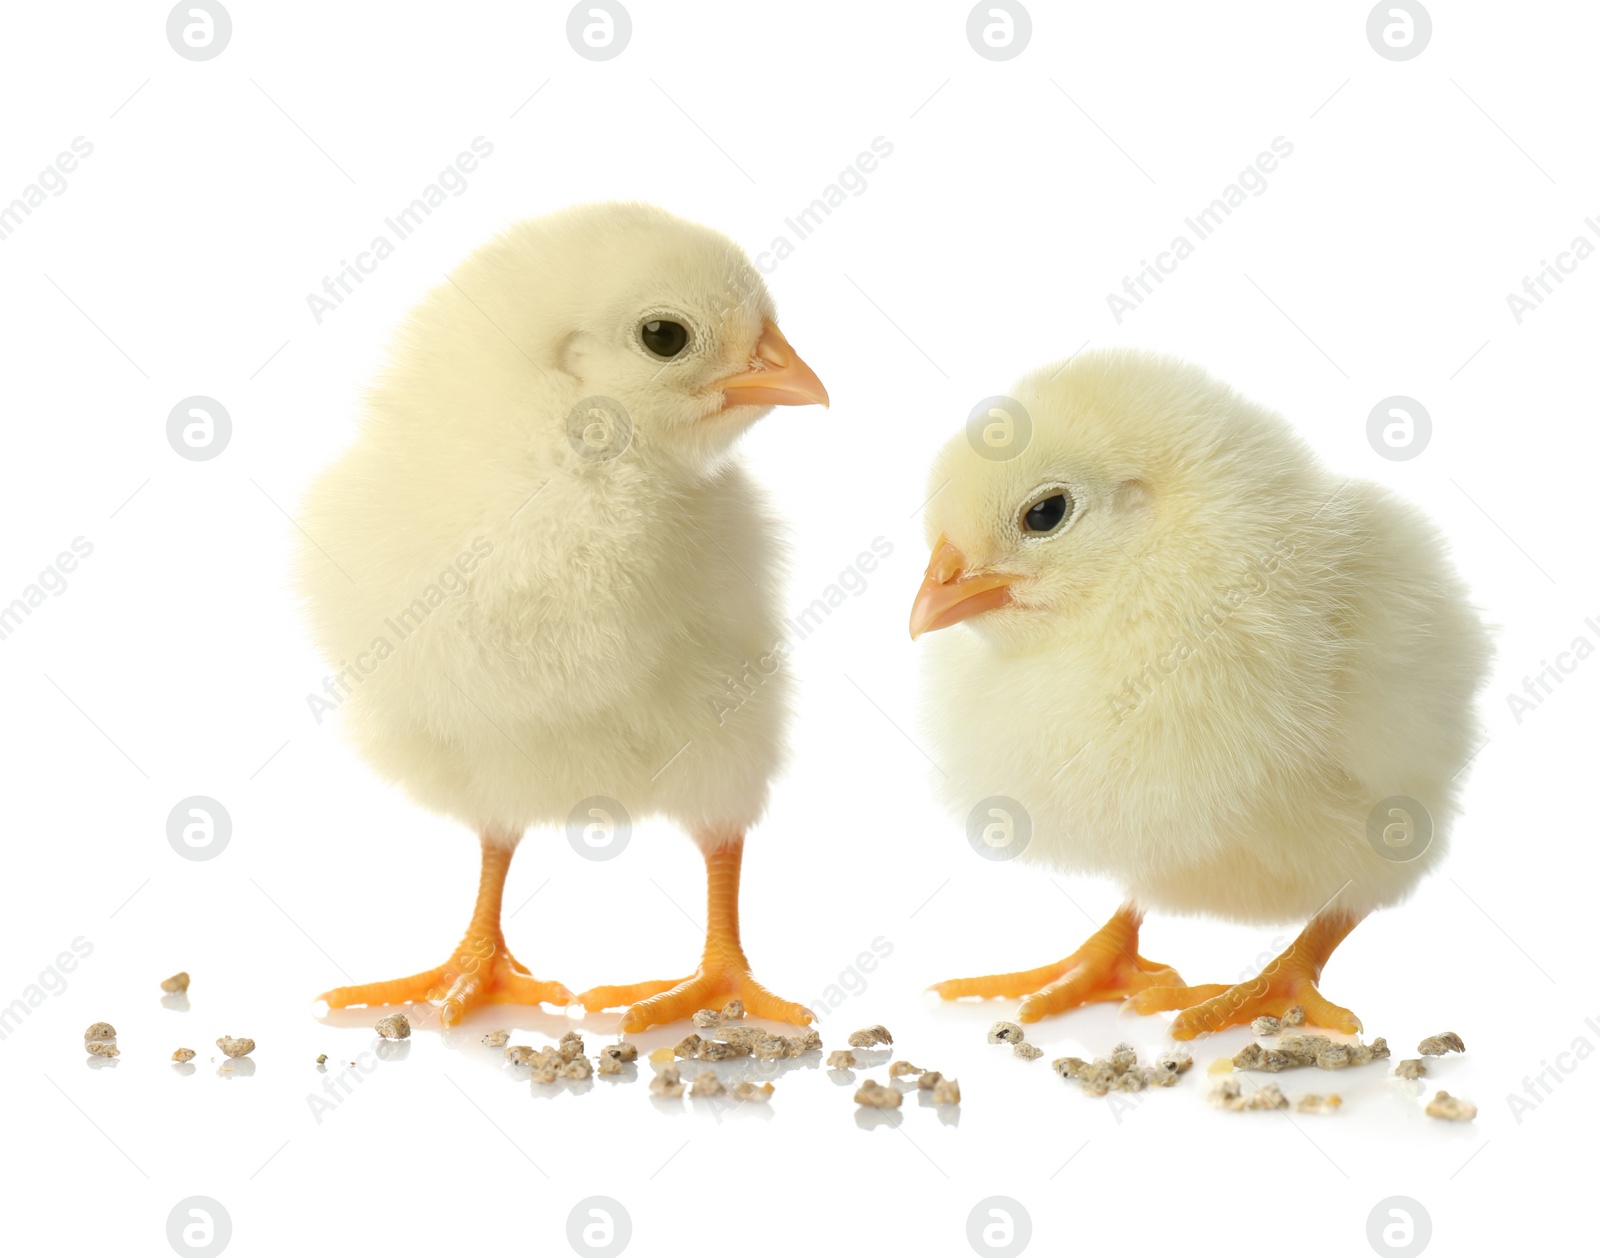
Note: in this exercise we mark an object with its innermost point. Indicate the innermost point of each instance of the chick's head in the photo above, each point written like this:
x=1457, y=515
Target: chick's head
x=666, y=317
x=1125, y=458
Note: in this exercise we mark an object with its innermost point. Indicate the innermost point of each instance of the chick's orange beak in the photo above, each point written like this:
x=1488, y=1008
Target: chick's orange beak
x=781, y=378
x=949, y=595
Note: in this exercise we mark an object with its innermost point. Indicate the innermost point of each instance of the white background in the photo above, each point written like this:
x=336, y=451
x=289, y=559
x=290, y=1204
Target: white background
x=1018, y=194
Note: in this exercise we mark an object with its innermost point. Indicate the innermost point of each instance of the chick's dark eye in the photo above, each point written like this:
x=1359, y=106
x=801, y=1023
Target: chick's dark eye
x=663, y=338
x=1046, y=515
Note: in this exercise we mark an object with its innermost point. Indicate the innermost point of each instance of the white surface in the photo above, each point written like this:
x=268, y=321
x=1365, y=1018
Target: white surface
x=990, y=238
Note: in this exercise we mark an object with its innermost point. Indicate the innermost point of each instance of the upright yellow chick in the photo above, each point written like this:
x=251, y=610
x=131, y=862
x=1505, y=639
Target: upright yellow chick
x=539, y=562
x=1196, y=662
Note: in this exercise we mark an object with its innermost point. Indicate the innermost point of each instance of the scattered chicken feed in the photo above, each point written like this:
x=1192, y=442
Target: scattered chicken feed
x=876, y=1095
x=181, y=1055
x=394, y=1027
x=1005, y=1033
x=1293, y=1051
x=866, y=1037
x=1121, y=1072
x=1451, y=1108
x=1439, y=1045
x=243, y=1046
x=179, y=982
x=733, y=1011
x=1294, y=1016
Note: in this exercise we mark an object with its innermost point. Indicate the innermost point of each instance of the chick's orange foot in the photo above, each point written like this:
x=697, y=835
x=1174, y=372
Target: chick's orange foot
x=1289, y=979
x=713, y=985
x=481, y=971
x=1107, y=967
x=724, y=972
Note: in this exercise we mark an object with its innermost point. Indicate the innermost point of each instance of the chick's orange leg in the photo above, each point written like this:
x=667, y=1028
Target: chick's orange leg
x=481, y=970
x=1107, y=967
x=724, y=972
x=1289, y=979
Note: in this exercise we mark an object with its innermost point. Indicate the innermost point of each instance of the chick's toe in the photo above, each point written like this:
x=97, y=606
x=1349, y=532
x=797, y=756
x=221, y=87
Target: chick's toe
x=1107, y=967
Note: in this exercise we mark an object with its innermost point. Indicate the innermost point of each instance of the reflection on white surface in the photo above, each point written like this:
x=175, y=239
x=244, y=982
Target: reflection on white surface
x=869, y=1117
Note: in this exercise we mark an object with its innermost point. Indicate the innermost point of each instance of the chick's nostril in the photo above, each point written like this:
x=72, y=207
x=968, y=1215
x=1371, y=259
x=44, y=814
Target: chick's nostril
x=772, y=350
x=947, y=563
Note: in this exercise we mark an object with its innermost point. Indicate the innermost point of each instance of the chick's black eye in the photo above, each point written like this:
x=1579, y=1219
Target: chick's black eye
x=1046, y=515
x=663, y=338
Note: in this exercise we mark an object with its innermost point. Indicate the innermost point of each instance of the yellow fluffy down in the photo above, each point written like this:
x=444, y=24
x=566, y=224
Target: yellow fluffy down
x=1217, y=669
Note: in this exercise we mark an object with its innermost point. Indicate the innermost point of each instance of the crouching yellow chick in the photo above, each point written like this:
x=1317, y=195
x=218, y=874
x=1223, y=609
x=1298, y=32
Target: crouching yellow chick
x=1194, y=661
